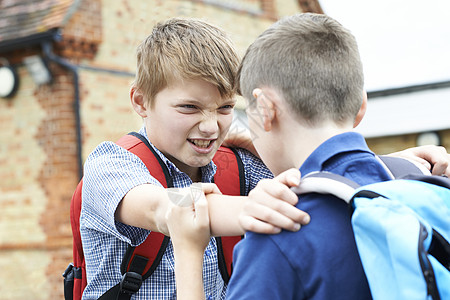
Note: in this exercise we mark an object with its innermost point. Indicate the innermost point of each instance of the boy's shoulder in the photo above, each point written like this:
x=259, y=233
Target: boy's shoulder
x=253, y=165
x=107, y=149
x=248, y=158
x=108, y=159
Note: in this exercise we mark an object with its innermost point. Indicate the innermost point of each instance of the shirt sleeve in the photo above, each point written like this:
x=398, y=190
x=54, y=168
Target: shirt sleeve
x=261, y=271
x=254, y=169
x=109, y=173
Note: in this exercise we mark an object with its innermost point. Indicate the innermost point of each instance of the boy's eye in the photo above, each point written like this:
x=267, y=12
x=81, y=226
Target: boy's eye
x=226, y=108
x=187, y=108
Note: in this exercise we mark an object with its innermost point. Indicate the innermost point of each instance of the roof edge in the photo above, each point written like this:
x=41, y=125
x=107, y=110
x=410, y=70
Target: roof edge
x=31, y=40
x=408, y=89
x=71, y=11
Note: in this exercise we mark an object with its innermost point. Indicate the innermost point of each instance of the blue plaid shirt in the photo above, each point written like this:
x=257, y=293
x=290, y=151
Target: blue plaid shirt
x=109, y=173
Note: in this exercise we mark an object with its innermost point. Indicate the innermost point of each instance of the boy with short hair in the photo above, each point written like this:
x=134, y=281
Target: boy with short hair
x=184, y=90
x=303, y=80
x=304, y=77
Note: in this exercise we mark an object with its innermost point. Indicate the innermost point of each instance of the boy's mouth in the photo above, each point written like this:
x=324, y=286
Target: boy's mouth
x=201, y=143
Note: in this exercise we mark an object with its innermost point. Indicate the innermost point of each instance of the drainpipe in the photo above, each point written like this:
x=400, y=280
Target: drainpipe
x=48, y=53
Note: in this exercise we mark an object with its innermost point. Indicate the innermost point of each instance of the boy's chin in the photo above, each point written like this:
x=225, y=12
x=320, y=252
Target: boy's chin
x=198, y=162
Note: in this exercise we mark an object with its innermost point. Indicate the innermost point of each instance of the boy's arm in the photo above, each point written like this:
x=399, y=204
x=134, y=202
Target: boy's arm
x=267, y=209
x=144, y=206
x=190, y=234
x=434, y=158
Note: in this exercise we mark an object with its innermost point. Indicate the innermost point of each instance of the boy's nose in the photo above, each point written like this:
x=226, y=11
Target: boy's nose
x=209, y=125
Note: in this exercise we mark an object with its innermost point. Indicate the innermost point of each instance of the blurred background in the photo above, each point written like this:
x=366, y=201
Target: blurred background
x=65, y=72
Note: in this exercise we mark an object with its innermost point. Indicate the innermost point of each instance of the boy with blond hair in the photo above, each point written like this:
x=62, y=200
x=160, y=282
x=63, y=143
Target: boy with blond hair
x=185, y=93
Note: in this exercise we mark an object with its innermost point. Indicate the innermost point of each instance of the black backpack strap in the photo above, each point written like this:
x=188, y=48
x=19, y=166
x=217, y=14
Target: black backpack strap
x=128, y=286
x=145, y=258
x=241, y=172
x=134, y=267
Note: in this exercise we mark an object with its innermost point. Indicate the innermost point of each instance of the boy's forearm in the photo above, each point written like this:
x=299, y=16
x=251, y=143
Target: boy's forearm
x=188, y=274
x=224, y=214
x=144, y=206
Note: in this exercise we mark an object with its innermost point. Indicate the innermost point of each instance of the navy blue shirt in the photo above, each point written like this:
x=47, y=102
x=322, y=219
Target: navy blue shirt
x=321, y=260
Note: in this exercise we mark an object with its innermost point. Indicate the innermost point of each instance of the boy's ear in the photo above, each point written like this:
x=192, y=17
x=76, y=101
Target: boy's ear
x=138, y=102
x=362, y=111
x=266, y=108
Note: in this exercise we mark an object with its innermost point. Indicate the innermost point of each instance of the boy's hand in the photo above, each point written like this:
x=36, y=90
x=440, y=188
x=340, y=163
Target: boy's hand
x=270, y=205
x=434, y=158
x=189, y=224
x=189, y=229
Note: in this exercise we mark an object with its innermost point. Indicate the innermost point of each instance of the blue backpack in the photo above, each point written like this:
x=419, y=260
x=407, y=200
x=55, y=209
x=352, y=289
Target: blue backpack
x=402, y=231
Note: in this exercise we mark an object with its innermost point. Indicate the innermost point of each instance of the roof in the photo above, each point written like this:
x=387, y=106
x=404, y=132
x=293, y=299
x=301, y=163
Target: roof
x=23, y=21
x=312, y=6
x=407, y=110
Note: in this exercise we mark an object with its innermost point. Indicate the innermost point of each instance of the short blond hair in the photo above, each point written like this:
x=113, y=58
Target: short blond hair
x=182, y=48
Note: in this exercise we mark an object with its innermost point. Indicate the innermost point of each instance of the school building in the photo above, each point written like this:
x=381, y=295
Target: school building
x=65, y=72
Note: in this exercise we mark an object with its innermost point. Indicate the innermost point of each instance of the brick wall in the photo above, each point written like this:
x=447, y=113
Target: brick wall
x=39, y=168
x=22, y=198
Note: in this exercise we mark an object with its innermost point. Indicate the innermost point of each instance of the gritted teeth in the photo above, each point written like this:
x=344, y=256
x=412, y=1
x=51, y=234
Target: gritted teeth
x=201, y=143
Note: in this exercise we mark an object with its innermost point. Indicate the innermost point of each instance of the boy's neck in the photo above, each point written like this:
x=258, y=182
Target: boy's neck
x=299, y=142
x=196, y=175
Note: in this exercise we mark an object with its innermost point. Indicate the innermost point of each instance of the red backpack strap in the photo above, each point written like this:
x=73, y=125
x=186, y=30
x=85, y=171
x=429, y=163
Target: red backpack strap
x=138, y=145
x=75, y=274
x=145, y=258
x=139, y=263
x=230, y=179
